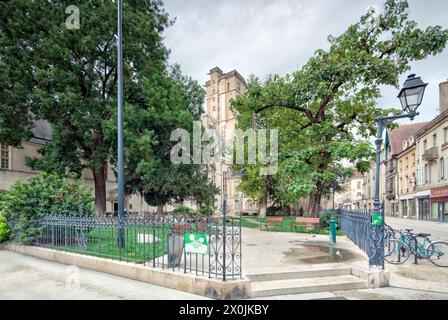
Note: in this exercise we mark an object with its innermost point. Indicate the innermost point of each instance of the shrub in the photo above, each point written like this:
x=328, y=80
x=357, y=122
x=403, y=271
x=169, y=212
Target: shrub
x=182, y=209
x=278, y=211
x=326, y=216
x=43, y=194
x=5, y=231
x=3, y=197
x=204, y=210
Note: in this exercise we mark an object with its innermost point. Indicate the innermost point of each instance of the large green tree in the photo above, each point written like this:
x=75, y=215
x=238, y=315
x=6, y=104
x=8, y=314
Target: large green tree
x=69, y=78
x=172, y=101
x=326, y=110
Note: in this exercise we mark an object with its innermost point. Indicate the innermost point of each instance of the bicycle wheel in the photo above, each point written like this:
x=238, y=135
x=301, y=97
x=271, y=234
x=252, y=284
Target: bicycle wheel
x=439, y=253
x=400, y=253
x=389, y=246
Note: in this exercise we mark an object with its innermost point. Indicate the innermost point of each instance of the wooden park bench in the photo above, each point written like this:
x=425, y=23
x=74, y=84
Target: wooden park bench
x=271, y=222
x=308, y=223
x=180, y=228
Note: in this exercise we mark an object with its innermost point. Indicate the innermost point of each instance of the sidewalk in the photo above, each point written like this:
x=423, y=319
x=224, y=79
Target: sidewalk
x=268, y=251
x=275, y=251
x=25, y=277
x=438, y=230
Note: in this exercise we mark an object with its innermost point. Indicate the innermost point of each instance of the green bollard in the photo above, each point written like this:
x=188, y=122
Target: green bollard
x=332, y=231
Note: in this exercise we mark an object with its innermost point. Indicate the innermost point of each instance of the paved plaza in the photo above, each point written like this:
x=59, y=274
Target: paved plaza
x=24, y=277
x=438, y=230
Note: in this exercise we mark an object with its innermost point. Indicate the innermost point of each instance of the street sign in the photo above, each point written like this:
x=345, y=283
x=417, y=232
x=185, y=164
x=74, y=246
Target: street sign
x=377, y=220
x=195, y=243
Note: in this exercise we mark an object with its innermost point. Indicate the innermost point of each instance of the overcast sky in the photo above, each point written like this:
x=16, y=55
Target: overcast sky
x=261, y=37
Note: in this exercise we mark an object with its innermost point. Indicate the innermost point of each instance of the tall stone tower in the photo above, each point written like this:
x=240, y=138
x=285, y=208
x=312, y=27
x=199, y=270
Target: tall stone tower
x=220, y=90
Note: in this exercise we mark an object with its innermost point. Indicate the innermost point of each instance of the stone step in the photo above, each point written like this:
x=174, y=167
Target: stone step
x=306, y=285
x=299, y=274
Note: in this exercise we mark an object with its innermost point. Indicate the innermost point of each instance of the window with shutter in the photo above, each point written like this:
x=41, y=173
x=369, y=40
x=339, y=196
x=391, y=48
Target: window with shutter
x=421, y=175
x=445, y=167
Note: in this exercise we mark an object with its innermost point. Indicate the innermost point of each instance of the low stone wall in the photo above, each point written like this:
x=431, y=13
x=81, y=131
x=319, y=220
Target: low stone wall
x=375, y=279
x=213, y=288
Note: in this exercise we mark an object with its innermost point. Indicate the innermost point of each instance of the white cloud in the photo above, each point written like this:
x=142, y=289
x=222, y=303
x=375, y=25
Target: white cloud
x=278, y=36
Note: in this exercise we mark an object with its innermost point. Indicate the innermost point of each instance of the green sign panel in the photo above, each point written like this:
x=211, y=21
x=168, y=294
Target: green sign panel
x=195, y=243
x=377, y=220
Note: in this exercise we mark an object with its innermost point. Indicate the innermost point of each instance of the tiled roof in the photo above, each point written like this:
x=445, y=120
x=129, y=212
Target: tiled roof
x=402, y=133
x=432, y=122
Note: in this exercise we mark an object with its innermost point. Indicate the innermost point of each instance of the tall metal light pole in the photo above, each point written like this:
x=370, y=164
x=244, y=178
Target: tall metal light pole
x=120, y=129
x=411, y=96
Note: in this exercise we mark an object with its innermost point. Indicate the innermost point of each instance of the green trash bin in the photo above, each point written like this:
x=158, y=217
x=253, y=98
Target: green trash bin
x=332, y=231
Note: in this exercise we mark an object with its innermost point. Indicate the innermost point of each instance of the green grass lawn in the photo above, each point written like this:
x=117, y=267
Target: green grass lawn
x=102, y=242
x=245, y=223
x=283, y=227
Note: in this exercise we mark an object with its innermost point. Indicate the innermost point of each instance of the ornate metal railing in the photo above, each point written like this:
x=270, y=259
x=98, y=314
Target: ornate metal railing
x=155, y=240
x=357, y=225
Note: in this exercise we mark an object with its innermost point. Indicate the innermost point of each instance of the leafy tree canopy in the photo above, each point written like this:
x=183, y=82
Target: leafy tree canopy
x=325, y=112
x=69, y=78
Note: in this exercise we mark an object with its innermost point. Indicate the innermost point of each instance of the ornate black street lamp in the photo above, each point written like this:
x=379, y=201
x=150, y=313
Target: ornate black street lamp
x=411, y=96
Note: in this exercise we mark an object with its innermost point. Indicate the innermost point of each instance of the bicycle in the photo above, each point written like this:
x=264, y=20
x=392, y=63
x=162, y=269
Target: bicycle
x=389, y=234
x=397, y=251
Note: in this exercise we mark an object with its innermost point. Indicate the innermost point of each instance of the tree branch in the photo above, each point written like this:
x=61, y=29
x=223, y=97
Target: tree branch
x=303, y=110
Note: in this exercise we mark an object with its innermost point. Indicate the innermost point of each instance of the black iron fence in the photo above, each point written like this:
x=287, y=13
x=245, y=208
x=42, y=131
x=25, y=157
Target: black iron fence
x=357, y=225
x=202, y=244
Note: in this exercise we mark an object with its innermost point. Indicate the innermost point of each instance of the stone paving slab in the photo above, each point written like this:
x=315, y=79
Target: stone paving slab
x=25, y=277
x=274, y=251
x=267, y=251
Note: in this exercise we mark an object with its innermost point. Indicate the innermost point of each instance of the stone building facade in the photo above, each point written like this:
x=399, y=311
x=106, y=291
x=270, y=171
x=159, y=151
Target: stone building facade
x=414, y=171
x=432, y=165
x=351, y=196
x=13, y=168
x=368, y=188
x=220, y=90
x=407, y=180
x=393, y=146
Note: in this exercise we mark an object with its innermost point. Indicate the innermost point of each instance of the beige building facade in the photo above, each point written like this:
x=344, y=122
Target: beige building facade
x=220, y=90
x=414, y=169
x=368, y=187
x=395, y=143
x=351, y=196
x=432, y=165
x=407, y=180
x=13, y=168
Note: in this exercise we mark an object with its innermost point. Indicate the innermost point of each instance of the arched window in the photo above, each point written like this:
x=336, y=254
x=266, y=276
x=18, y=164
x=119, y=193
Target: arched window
x=237, y=206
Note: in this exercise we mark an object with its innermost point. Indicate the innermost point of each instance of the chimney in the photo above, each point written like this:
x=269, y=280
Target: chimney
x=443, y=94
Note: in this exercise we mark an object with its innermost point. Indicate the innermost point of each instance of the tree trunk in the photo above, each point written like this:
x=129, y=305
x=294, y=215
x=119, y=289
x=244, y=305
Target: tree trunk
x=263, y=206
x=160, y=209
x=100, y=190
x=314, y=207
